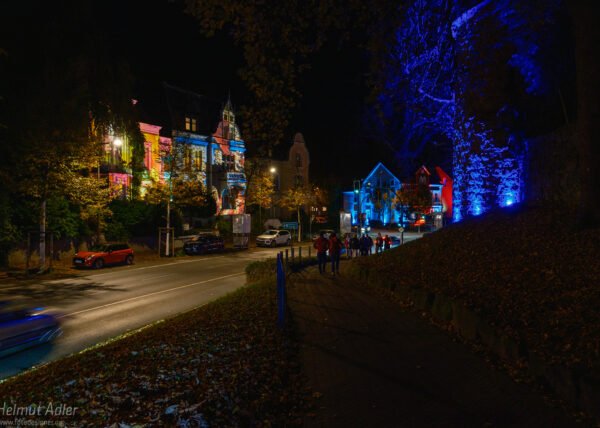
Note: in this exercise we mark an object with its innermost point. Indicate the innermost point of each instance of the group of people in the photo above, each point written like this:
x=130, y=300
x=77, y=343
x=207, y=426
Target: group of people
x=354, y=246
x=332, y=245
x=364, y=244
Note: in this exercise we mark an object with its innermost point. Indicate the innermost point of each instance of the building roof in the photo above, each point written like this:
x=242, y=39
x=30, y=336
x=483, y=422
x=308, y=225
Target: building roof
x=378, y=167
x=182, y=103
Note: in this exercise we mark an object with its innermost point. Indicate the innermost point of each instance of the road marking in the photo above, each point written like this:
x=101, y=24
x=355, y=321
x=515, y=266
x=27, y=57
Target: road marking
x=151, y=294
x=157, y=266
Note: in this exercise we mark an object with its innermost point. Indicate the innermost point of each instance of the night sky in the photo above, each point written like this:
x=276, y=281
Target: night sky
x=161, y=43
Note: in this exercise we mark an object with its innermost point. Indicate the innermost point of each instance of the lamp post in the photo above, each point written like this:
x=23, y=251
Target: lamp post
x=273, y=172
x=168, y=158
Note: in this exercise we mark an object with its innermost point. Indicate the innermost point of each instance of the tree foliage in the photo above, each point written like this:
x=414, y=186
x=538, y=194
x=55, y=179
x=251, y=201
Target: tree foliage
x=295, y=199
x=261, y=189
x=278, y=38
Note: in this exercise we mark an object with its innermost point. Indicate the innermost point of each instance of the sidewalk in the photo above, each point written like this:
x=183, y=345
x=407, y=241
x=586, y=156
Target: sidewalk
x=372, y=365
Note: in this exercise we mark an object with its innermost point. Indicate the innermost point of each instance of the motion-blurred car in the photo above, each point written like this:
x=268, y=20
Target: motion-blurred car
x=395, y=240
x=273, y=238
x=22, y=328
x=204, y=243
x=108, y=254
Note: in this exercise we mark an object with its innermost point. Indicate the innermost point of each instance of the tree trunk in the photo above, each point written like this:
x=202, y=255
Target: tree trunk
x=585, y=17
x=43, y=235
x=299, y=226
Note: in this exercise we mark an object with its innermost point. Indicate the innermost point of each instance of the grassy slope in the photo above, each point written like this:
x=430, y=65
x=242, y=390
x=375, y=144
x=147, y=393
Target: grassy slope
x=526, y=270
x=224, y=364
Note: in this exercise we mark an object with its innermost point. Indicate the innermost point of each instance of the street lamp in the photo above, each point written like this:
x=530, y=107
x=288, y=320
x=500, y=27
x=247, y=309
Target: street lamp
x=273, y=172
x=117, y=142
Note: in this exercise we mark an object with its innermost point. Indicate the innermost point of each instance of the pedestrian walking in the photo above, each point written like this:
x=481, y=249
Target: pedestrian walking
x=370, y=244
x=364, y=245
x=321, y=245
x=347, y=245
x=354, y=246
x=387, y=242
x=335, y=248
x=378, y=243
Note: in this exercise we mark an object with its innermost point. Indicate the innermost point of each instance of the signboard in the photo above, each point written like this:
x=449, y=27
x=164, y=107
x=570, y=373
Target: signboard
x=236, y=178
x=345, y=222
x=293, y=225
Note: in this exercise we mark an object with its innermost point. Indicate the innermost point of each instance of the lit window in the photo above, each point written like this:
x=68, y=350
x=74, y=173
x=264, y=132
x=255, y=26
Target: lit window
x=188, y=124
x=193, y=125
x=198, y=160
x=188, y=158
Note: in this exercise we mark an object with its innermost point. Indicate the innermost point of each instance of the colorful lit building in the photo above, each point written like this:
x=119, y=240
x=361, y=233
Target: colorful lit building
x=207, y=147
x=156, y=149
x=373, y=198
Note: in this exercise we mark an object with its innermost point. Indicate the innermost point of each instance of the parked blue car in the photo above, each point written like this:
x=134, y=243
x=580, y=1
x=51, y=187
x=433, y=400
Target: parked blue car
x=22, y=328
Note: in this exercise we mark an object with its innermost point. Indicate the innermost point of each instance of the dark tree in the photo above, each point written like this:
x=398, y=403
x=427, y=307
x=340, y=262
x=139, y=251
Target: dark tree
x=586, y=16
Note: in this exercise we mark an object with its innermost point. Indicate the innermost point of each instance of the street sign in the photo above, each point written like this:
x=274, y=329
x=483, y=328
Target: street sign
x=292, y=225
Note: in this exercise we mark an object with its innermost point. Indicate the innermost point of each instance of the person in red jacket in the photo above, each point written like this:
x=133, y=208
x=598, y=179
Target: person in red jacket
x=321, y=245
x=335, y=249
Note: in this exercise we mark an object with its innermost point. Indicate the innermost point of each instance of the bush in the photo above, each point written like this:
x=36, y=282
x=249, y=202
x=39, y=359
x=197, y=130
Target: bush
x=116, y=231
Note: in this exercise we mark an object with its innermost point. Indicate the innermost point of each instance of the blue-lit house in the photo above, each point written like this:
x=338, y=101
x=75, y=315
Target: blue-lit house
x=372, y=200
x=373, y=197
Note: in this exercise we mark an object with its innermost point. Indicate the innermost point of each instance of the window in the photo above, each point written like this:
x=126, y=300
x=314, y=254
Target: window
x=198, y=160
x=187, y=158
x=190, y=124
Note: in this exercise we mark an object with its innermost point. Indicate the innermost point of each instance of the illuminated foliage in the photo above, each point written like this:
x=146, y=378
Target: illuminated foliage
x=296, y=198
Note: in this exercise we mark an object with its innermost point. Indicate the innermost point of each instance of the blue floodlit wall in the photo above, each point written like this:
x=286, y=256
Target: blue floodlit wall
x=468, y=73
x=486, y=172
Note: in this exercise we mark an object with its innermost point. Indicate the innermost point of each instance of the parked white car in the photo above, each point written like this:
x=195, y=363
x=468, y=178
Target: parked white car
x=273, y=238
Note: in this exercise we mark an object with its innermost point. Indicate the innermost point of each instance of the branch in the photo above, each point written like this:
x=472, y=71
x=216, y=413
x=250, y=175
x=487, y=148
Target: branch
x=439, y=100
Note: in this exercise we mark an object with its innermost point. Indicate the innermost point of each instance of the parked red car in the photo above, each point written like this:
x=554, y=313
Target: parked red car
x=108, y=254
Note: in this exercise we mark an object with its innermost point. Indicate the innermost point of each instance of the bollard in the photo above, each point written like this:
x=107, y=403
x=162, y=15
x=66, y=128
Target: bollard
x=293, y=255
x=281, y=292
x=309, y=251
x=286, y=256
x=300, y=255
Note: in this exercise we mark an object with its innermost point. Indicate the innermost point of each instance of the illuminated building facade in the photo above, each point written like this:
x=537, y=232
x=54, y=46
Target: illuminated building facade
x=156, y=148
x=373, y=199
x=207, y=147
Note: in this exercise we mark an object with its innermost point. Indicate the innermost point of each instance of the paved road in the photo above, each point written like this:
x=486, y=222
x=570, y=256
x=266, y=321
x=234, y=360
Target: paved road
x=103, y=304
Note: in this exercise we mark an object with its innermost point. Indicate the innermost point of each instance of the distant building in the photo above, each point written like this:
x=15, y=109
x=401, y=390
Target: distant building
x=373, y=198
x=289, y=168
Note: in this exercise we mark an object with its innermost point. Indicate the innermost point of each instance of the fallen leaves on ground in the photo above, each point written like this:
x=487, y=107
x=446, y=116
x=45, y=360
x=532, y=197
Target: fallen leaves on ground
x=225, y=364
x=526, y=270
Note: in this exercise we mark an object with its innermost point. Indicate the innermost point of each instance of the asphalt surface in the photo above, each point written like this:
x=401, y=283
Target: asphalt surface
x=99, y=305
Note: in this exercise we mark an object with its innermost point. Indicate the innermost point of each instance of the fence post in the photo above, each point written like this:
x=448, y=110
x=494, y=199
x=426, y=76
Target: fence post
x=281, y=294
x=300, y=255
x=293, y=255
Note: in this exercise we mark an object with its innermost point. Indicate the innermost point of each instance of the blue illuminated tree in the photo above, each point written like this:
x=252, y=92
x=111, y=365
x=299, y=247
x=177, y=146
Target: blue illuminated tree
x=471, y=76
